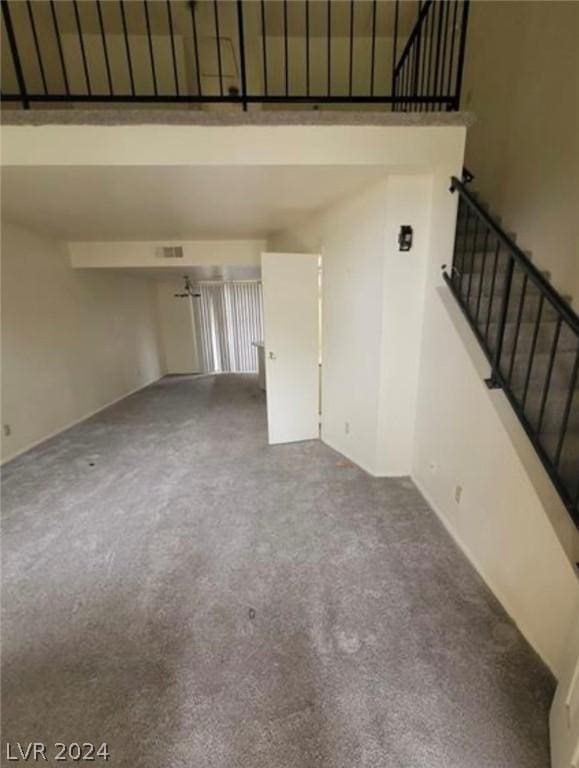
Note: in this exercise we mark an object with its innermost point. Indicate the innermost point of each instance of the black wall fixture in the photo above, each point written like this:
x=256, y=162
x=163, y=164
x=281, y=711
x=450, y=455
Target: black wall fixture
x=405, y=237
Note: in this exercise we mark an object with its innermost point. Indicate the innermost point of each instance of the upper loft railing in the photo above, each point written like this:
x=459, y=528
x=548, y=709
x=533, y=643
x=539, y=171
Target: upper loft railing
x=530, y=336
x=407, y=55
x=432, y=60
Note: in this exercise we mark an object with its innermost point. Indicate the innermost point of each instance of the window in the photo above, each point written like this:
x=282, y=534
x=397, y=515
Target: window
x=229, y=319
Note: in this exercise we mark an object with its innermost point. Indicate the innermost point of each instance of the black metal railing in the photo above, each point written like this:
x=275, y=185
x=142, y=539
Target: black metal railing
x=243, y=52
x=529, y=334
x=429, y=71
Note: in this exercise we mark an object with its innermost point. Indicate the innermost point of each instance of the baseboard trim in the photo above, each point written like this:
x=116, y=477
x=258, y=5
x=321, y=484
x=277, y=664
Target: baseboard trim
x=72, y=424
x=473, y=560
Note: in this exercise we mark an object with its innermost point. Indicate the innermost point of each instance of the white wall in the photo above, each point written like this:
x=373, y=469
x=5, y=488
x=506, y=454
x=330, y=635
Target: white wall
x=509, y=521
x=372, y=298
x=501, y=520
x=402, y=144
x=72, y=341
x=524, y=147
x=403, y=285
x=106, y=255
x=177, y=324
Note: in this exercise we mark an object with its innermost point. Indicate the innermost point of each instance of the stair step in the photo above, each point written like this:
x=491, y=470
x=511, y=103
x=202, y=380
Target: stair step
x=473, y=260
x=554, y=410
x=567, y=341
x=469, y=241
x=560, y=375
x=473, y=280
x=529, y=311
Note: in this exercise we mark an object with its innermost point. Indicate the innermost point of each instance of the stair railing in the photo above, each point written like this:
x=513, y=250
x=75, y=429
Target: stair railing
x=529, y=334
x=428, y=75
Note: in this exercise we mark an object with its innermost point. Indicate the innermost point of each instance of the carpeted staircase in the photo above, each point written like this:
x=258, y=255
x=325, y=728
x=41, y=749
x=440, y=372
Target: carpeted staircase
x=539, y=351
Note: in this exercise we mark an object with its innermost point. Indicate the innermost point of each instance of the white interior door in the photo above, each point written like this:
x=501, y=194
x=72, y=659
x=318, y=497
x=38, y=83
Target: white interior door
x=564, y=719
x=291, y=318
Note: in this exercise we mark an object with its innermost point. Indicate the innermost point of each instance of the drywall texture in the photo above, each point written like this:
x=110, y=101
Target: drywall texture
x=72, y=341
x=508, y=520
x=522, y=80
x=372, y=297
x=471, y=471
x=401, y=145
x=220, y=603
x=177, y=325
x=350, y=237
x=147, y=254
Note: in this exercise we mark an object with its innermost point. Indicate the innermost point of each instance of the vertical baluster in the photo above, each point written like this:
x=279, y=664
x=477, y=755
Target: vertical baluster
x=423, y=45
x=307, y=10
x=461, y=53
x=518, y=327
x=286, y=48
x=492, y=290
x=456, y=269
x=449, y=90
x=242, y=53
x=59, y=45
x=549, y=374
x=567, y=410
x=196, y=43
x=173, y=55
x=15, y=55
x=37, y=46
x=417, y=43
x=463, y=253
x=373, y=50
x=502, y=320
x=151, y=52
x=440, y=6
x=482, y=274
x=410, y=86
x=430, y=27
x=127, y=46
x=329, y=24
x=105, y=49
x=264, y=47
x=218, y=44
x=351, y=47
x=472, y=258
x=411, y=77
x=395, y=51
x=441, y=91
x=532, y=352
x=81, y=43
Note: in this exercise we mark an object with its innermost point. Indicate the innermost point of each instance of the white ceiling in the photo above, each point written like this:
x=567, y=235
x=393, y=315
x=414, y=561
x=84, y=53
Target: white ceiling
x=173, y=203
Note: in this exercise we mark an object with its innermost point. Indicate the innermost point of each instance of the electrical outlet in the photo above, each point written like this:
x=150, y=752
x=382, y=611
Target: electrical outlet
x=347, y=427
x=458, y=493
x=7, y=430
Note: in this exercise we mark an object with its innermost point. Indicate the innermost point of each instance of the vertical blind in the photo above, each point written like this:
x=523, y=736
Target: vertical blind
x=229, y=318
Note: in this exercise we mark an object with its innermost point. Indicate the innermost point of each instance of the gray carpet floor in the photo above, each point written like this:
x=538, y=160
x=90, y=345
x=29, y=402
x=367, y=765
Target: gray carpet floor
x=180, y=590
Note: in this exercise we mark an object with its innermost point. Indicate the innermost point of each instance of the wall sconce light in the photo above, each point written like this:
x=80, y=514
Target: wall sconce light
x=405, y=238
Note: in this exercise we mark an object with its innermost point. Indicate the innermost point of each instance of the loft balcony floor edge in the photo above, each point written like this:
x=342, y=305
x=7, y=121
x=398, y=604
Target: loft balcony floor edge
x=269, y=117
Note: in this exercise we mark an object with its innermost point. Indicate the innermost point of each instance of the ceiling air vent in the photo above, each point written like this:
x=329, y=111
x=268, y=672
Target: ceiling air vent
x=171, y=252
